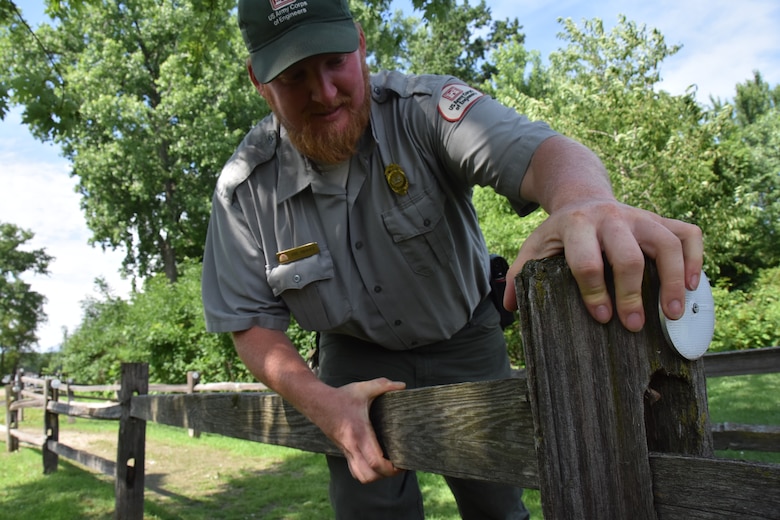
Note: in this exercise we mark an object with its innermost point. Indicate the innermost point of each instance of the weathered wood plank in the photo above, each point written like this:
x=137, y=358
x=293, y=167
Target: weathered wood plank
x=94, y=462
x=35, y=395
x=742, y=362
x=689, y=488
x=34, y=439
x=36, y=402
x=230, y=387
x=730, y=436
x=93, y=388
x=480, y=431
x=474, y=430
x=587, y=388
x=259, y=417
x=91, y=411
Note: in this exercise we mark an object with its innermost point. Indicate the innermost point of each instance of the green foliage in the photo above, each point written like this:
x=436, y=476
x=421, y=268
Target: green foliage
x=504, y=234
x=21, y=308
x=446, y=39
x=748, y=318
x=664, y=153
x=449, y=44
x=147, y=100
x=163, y=325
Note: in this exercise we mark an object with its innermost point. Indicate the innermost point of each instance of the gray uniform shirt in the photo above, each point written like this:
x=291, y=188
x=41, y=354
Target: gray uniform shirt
x=401, y=260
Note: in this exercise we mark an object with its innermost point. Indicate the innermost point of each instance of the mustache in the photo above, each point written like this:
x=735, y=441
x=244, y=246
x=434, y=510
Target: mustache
x=316, y=109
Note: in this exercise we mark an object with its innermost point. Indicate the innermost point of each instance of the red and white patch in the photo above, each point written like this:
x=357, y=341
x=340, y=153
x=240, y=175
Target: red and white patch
x=456, y=99
x=278, y=4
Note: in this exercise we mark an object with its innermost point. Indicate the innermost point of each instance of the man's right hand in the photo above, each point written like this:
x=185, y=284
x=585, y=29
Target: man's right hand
x=346, y=422
x=341, y=413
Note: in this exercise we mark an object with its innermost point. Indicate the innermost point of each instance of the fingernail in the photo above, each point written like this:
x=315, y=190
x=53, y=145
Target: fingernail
x=602, y=313
x=634, y=322
x=694, y=281
x=676, y=308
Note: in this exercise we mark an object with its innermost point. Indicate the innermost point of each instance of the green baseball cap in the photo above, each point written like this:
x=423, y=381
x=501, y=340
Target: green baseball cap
x=279, y=33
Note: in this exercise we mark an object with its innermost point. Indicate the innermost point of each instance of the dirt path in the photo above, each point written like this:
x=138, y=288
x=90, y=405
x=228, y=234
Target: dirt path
x=176, y=471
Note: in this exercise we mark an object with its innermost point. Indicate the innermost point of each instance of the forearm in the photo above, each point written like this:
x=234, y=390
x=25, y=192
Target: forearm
x=272, y=358
x=341, y=413
x=563, y=171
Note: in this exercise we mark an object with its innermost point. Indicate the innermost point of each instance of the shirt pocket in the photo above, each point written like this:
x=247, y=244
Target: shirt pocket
x=416, y=227
x=311, y=291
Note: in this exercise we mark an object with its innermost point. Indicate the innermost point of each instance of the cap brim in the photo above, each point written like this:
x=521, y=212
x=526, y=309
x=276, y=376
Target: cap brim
x=308, y=40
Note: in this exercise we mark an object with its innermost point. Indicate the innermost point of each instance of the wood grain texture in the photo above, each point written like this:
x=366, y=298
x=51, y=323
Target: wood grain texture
x=742, y=362
x=98, y=411
x=131, y=446
x=602, y=398
x=690, y=488
x=472, y=430
x=99, y=464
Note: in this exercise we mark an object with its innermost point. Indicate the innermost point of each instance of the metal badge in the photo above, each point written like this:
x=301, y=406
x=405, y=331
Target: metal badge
x=296, y=253
x=691, y=335
x=396, y=179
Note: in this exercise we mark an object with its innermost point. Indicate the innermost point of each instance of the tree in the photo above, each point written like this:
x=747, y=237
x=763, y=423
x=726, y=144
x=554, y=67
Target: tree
x=749, y=155
x=162, y=325
x=21, y=308
x=449, y=44
x=664, y=153
x=147, y=99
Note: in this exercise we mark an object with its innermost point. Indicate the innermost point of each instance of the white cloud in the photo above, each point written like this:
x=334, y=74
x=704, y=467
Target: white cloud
x=38, y=195
x=723, y=41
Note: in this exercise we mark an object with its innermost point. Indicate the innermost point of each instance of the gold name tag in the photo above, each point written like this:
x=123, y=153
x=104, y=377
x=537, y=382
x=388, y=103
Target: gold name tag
x=296, y=253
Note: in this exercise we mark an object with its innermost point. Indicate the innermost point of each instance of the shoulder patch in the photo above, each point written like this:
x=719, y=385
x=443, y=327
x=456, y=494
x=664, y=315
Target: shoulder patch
x=456, y=99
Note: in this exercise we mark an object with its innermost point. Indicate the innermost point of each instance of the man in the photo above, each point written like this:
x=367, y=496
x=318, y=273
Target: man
x=350, y=208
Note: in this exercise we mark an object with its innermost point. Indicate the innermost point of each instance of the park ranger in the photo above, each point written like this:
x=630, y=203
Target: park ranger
x=350, y=209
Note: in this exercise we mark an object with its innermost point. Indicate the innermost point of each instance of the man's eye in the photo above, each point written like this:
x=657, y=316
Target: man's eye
x=292, y=77
x=337, y=61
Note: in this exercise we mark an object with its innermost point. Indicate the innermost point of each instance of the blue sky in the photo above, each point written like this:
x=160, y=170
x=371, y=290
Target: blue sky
x=723, y=42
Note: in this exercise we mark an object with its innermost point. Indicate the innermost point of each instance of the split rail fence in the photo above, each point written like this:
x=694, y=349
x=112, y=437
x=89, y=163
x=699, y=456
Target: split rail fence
x=605, y=423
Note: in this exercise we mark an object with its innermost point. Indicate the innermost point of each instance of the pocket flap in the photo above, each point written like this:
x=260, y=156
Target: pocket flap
x=417, y=216
x=299, y=274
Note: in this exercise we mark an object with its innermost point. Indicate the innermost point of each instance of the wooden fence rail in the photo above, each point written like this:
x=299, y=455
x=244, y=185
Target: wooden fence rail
x=606, y=423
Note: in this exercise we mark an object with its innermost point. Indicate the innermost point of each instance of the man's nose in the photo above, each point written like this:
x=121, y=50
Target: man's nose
x=323, y=88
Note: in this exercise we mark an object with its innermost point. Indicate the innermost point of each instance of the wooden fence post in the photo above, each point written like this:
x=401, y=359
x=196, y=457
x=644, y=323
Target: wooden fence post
x=18, y=387
x=51, y=427
x=130, y=459
x=11, y=417
x=193, y=378
x=71, y=398
x=603, y=398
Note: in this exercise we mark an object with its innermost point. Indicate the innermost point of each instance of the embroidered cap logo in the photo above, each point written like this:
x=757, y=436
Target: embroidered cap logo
x=278, y=4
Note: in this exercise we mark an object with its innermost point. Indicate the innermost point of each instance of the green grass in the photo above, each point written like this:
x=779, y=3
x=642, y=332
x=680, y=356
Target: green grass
x=753, y=399
x=231, y=479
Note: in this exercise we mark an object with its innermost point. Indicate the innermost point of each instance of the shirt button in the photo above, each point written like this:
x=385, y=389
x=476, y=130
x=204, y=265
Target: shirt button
x=398, y=322
x=427, y=222
x=358, y=245
x=377, y=289
x=297, y=278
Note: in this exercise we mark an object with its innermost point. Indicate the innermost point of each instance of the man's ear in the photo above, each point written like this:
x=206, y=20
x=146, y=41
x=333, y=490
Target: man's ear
x=258, y=86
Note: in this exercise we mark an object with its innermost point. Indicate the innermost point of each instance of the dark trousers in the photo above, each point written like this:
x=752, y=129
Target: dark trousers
x=476, y=353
